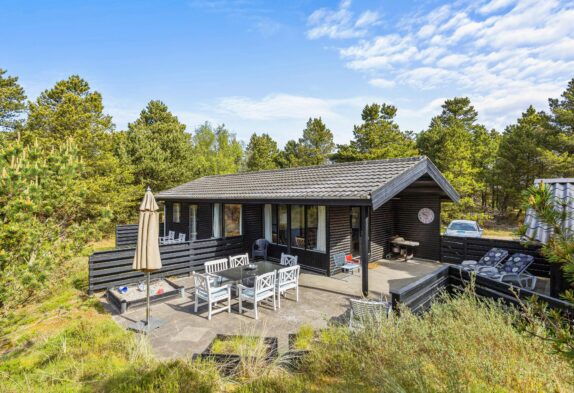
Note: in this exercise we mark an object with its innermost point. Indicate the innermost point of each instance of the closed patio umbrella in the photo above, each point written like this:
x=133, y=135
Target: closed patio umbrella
x=147, y=258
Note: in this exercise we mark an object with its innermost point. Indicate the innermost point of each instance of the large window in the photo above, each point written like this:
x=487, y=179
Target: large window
x=312, y=227
x=298, y=226
x=232, y=220
x=307, y=228
x=176, y=214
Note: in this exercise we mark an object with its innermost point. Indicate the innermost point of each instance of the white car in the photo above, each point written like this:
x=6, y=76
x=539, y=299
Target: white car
x=463, y=228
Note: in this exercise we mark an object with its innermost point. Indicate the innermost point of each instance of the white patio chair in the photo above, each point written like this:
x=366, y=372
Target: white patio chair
x=204, y=290
x=288, y=260
x=180, y=239
x=238, y=260
x=215, y=266
x=167, y=239
x=287, y=278
x=364, y=311
x=264, y=288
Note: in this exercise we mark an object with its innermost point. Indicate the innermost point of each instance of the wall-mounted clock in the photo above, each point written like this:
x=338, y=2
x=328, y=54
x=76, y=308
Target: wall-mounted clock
x=426, y=215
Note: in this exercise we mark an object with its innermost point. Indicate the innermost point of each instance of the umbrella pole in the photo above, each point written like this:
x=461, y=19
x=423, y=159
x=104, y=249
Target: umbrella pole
x=147, y=308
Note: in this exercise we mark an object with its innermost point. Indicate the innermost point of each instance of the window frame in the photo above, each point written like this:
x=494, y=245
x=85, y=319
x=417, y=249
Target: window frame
x=275, y=227
x=223, y=229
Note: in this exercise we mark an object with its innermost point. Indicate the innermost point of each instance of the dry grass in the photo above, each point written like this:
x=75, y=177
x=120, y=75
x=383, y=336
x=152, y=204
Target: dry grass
x=462, y=344
x=67, y=343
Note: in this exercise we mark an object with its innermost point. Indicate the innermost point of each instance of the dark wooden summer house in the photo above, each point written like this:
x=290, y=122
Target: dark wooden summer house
x=316, y=212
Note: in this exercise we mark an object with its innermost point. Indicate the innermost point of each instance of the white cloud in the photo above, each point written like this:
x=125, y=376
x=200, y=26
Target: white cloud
x=340, y=23
x=282, y=106
x=381, y=82
x=367, y=18
x=503, y=54
x=494, y=5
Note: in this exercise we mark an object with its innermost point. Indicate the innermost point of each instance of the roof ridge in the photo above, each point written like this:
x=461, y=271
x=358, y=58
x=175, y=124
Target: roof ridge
x=337, y=164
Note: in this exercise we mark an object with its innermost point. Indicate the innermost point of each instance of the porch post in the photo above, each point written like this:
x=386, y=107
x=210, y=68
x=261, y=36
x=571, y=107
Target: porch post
x=364, y=248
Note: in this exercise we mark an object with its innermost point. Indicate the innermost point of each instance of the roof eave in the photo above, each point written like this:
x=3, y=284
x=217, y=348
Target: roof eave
x=389, y=190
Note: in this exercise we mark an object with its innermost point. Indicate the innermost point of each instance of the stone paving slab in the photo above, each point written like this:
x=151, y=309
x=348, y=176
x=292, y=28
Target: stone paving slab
x=321, y=300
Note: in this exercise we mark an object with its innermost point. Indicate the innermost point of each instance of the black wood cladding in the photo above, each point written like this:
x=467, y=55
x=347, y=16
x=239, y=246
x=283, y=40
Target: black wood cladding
x=252, y=216
x=419, y=295
x=127, y=235
x=457, y=249
x=407, y=223
x=382, y=229
x=108, y=269
x=339, y=232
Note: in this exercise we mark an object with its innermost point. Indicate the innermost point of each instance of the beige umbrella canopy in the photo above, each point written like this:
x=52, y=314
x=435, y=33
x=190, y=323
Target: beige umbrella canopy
x=147, y=256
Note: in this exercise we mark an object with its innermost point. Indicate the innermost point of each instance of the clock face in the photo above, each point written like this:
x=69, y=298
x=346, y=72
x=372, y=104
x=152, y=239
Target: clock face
x=426, y=215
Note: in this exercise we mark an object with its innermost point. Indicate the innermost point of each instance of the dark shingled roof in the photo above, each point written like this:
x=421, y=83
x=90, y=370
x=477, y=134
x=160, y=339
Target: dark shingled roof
x=345, y=181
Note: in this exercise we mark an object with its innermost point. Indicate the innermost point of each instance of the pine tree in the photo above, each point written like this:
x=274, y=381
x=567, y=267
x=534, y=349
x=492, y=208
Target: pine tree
x=72, y=111
x=316, y=145
x=160, y=150
x=45, y=216
x=560, y=159
x=12, y=102
x=378, y=137
x=261, y=153
x=521, y=156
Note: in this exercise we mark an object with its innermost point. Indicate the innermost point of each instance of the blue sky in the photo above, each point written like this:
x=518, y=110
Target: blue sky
x=267, y=66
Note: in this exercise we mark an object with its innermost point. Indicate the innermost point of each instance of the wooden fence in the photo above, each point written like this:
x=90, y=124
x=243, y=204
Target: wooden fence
x=419, y=295
x=457, y=249
x=127, y=235
x=108, y=269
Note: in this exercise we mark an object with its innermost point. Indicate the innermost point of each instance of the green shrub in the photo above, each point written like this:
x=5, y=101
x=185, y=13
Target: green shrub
x=461, y=344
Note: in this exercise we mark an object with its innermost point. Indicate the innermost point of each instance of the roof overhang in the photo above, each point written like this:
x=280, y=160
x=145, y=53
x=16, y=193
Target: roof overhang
x=294, y=201
x=425, y=167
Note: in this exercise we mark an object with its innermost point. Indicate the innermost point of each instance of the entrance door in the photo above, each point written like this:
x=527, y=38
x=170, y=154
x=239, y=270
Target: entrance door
x=355, y=231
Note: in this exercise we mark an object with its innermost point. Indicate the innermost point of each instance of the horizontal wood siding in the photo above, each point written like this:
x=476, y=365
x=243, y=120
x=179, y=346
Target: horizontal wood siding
x=204, y=221
x=127, y=235
x=419, y=295
x=382, y=228
x=209, y=249
x=183, y=225
x=108, y=269
x=339, y=232
x=407, y=224
x=311, y=260
x=112, y=268
x=457, y=249
x=252, y=216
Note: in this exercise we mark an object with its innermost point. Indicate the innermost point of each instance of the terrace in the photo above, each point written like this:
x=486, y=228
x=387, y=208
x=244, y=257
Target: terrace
x=327, y=230
x=321, y=300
